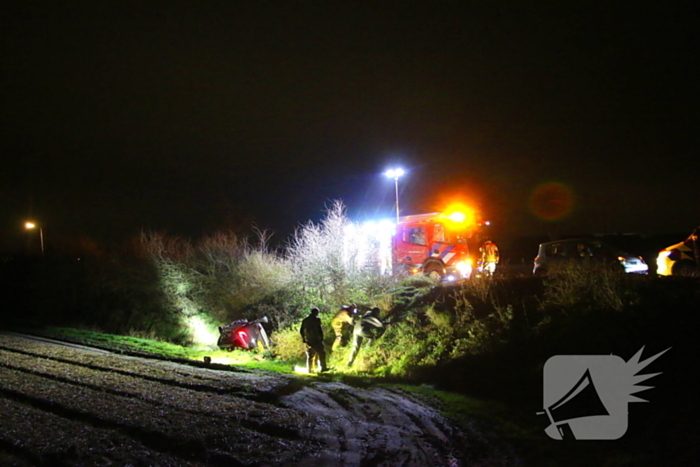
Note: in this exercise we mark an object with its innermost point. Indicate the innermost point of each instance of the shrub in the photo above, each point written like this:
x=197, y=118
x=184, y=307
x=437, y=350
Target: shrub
x=329, y=268
x=287, y=344
x=439, y=325
x=443, y=320
x=589, y=286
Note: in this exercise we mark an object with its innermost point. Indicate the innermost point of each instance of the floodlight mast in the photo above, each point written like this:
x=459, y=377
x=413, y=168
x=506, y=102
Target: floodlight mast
x=395, y=174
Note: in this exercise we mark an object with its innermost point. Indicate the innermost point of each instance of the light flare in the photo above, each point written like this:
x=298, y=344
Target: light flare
x=460, y=215
x=229, y=360
x=202, y=333
x=464, y=268
x=551, y=201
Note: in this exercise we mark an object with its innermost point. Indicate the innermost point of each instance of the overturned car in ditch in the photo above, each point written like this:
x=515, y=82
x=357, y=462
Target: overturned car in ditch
x=244, y=334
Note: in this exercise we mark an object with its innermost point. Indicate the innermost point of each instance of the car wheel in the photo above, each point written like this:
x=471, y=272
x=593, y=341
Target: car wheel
x=685, y=269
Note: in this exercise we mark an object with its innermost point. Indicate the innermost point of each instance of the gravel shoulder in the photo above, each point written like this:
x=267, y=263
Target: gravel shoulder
x=68, y=405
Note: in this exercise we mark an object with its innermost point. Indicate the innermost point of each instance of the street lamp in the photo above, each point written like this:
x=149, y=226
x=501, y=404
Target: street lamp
x=395, y=174
x=32, y=225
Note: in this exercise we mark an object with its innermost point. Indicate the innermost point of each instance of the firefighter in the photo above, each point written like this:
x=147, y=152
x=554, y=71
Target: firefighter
x=489, y=257
x=312, y=336
x=369, y=327
x=343, y=319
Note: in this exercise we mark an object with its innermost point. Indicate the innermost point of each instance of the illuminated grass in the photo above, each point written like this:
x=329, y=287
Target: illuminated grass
x=138, y=345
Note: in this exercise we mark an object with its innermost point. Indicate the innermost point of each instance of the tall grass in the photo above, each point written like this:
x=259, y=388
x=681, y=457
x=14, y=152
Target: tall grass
x=593, y=286
x=437, y=331
x=226, y=276
x=442, y=324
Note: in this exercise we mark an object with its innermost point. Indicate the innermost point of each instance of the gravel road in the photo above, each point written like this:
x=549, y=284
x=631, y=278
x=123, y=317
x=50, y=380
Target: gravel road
x=75, y=406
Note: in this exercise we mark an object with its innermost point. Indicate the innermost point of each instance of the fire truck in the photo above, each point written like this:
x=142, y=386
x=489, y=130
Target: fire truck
x=435, y=244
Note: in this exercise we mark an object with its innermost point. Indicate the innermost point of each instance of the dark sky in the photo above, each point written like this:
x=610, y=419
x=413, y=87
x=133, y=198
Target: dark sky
x=190, y=117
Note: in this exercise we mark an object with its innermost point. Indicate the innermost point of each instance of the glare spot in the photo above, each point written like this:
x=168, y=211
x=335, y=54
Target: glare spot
x=551, y=201
x=202, y=333
x=229, y=361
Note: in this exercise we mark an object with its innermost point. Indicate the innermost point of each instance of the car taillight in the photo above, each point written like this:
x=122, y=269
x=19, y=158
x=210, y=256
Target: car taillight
x=242, y=338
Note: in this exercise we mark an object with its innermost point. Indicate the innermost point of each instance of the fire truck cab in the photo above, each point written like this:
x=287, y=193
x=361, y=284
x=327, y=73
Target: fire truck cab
x=434, y=244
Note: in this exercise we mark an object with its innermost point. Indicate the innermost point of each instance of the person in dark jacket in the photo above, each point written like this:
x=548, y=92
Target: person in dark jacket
x=369, y=328
x=312, y=335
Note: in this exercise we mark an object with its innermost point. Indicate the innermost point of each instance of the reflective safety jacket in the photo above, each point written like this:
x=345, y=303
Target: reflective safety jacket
x=369, y=327
x=341, y=318
x=489, y=253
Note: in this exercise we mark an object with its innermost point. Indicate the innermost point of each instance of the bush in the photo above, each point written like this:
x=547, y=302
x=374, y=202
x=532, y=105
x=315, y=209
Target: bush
x=590, y=286
x=287, y=344
x=329, y=268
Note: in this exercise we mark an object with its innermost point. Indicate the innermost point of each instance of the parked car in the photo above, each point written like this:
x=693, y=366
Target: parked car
x=585, y=250
x=680, y=259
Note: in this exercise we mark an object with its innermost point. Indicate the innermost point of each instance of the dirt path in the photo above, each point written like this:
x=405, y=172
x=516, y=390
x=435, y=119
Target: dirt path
x=74, y=407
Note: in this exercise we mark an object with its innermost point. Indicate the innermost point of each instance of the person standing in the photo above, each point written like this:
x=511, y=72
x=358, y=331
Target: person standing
x=312, y=335
x=489, y=257
x=343, y=319
x=370, y=328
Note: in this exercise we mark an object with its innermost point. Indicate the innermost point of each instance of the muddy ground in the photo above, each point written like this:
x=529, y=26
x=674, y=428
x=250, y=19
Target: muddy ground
x=66, y=405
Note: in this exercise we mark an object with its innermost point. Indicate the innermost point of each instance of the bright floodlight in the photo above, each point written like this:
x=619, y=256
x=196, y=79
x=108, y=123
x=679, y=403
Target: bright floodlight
x=29, y=225
x=394, y=173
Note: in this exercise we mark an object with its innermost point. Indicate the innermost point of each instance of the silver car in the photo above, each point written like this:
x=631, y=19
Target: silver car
x=585, y=250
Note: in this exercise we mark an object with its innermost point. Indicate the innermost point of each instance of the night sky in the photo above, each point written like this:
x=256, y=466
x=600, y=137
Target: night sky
x=193, y=117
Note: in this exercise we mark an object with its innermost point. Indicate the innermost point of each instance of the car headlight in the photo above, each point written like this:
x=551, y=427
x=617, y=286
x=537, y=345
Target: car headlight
x=463, y=267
